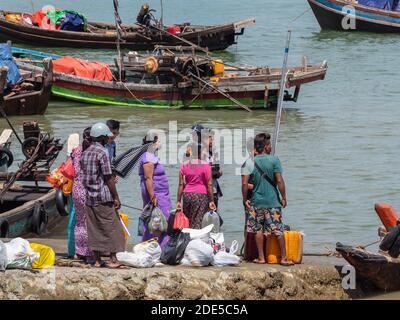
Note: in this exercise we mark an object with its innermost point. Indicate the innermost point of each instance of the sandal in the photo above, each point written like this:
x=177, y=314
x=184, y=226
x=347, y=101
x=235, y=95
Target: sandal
x=118, y=266
x=258, y=261
x=103, y=264
x=286, y=263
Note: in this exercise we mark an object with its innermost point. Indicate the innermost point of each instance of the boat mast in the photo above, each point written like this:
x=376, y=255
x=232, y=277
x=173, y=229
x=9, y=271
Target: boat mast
x=120, y=34
x=281, y=92
x=162, y=15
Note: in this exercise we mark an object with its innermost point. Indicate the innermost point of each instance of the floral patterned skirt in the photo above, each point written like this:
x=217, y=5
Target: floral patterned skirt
x=195, y=206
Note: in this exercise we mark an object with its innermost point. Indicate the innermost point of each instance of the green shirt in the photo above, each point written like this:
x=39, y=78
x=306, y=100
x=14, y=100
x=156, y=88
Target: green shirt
x=264, y=195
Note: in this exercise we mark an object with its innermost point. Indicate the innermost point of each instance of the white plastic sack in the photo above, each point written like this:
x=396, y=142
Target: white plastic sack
x=211, y=218
x=223, y=258
x=150, y=247
x=136, y=260
x=19, y=254
x=203, y=234
x=199, y=253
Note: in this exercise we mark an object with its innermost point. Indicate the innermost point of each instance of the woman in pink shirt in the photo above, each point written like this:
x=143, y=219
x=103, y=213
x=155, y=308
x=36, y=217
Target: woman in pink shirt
x=195, y=187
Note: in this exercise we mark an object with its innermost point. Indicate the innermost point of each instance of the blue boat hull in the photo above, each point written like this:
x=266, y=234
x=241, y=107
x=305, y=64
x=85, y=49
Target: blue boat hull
x=331, y=14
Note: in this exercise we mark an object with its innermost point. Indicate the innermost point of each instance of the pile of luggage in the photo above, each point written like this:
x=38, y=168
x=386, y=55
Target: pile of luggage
x=186, y=246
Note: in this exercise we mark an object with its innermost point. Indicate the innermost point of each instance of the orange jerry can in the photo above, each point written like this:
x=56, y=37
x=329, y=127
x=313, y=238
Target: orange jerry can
x=294, y=247
x=125, y=219
x=387, y=214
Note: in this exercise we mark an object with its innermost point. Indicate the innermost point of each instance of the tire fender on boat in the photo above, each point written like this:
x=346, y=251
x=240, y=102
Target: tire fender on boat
x=9, y=155
x=39, y=219
x=62, y=203
x=4, y=228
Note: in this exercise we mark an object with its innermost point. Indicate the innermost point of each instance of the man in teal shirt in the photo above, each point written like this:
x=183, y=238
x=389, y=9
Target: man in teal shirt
x=266, y=204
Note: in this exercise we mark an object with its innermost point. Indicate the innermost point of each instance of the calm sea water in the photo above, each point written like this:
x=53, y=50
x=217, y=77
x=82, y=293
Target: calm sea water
x=339, y=144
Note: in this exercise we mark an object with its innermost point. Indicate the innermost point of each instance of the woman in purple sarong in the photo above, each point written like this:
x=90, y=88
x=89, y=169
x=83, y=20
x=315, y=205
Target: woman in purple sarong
x=154, y=184
x=79, y=195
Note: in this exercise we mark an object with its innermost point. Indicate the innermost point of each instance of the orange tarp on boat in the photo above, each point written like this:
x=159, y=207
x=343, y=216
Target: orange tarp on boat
x=82, y=68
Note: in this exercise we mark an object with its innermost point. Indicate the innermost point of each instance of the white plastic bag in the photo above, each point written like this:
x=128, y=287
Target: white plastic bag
x=157, y=223
x=150, y=247
x=234, y=247
x=211, y=218
x=223, y=258
x=199, y=253
x=203, y=234
x=217, y=240
x=136, y=260
x=20, y=254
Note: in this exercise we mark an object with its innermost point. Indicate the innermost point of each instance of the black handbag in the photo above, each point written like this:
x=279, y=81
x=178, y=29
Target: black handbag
x=175, y=249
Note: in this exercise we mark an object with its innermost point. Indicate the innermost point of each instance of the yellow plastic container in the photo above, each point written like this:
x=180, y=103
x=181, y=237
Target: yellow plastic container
x=47, y=257
x=294, y=247
x=218, y=67
x=125, y=220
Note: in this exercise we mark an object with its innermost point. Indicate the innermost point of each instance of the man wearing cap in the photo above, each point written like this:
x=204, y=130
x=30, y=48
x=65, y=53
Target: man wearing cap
x=105, y=232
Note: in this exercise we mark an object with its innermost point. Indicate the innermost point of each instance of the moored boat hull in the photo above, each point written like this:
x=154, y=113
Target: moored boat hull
x=157, y=99
x=19, y=220
x=218, y=37
x=331, y=15
x=33, y=101
x=380, y=270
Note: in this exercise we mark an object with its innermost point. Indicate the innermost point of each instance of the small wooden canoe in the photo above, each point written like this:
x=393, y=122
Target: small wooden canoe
x=103, y=35
x=383, y=271
x=335, y=15
x=28, y=210
x=32, y=97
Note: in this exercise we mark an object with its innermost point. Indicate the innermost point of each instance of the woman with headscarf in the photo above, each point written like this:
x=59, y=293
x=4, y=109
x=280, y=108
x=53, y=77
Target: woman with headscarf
x=154, y=183
x=195, y=185
x=79, y=196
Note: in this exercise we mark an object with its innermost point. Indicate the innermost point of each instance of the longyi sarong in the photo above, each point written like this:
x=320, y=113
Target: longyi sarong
x=105, y=231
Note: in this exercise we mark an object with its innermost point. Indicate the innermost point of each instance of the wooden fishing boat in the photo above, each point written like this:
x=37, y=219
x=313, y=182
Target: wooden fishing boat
x=32, y=208
x=382, y=270
x=171, y=86
x=31, y=96
x=29, y=210
x=336, y=15
x=136, y=37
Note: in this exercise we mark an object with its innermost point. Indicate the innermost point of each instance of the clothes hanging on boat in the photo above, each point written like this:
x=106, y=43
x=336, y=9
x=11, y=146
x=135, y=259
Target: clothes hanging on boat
x=82, y=68
x=6, y=60
x=68, y=20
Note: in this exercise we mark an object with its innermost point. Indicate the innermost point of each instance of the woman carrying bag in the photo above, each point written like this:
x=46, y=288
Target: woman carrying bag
x=154, y=185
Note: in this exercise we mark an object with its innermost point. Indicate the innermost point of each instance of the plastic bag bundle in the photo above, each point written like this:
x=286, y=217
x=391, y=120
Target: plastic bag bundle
x=136, y=260
x=158, y=223
x=211, y=217
x=150, y=247
x=47, y=257
x=175, y=249
x=199, y=253
x=223, y=258
x=19, y=254
x=203, y=234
